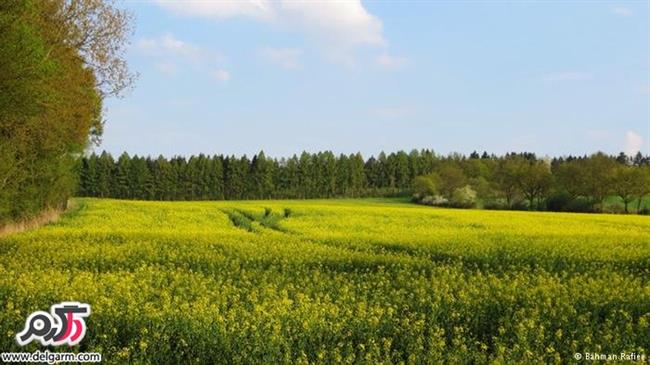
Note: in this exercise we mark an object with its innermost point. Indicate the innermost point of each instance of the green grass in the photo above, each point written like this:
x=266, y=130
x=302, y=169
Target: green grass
x=335, y=281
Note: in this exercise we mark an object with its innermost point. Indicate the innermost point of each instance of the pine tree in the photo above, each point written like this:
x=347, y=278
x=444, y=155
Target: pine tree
x=328, y=164
x=343, y=176
x=104, y=176
x=161, y=172
x=121, y=185
x=139, y=179
x=261, y=177
x=293, y=177
x=215, y=178
x=235, y=175
x=305, y=181
x=357, y=177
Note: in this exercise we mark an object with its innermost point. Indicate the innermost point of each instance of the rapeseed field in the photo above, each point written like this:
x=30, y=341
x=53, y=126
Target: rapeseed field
x=333, y=281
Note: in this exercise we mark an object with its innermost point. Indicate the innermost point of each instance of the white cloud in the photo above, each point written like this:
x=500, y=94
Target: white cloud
x=287, y=58
x=337, y=27
x=338, y=22
x=220, y=8
x=220, y=75
x=387, y=61
x=623, y=11
x=567, y=76
x=168, y=45
x=172, y=54
x=633, y=143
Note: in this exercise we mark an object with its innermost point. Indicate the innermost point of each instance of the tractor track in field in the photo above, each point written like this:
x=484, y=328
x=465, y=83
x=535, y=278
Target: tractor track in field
x=251, y=222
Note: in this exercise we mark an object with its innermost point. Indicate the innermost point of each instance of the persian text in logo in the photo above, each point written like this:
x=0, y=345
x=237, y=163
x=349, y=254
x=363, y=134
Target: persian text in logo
x=64, y=325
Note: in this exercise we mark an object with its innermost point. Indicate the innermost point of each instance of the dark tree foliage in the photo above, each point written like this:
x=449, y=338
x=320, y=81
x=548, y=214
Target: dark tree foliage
x=516, y=180
x=320, y=175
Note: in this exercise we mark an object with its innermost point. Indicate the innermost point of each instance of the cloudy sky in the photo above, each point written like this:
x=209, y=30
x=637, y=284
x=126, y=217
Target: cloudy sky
x=237, y=77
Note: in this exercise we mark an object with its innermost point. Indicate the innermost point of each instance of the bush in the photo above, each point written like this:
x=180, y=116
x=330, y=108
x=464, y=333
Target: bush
x=562, y=202
x=519, y=205
x=558, y=202
x=464, y=197
x=502, y=205
x=614, y=208
x=495, y=205
x=579, y=205
x=424, y=186
x=438, y=200
x=483, y=188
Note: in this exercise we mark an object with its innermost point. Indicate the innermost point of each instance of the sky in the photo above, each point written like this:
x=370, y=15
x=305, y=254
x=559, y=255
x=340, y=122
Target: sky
x=286, y=76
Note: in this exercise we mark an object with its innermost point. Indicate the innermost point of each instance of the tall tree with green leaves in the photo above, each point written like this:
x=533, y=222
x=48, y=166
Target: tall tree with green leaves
x=628, y=184
x=505, y=179
x=534, y=179
x=597, y=179
x=59, y=59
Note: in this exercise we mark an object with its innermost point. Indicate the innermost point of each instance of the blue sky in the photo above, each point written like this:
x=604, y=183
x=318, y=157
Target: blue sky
x=237, y=77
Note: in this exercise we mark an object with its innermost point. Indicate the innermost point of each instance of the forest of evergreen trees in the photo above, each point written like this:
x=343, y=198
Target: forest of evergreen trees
x=512, y=181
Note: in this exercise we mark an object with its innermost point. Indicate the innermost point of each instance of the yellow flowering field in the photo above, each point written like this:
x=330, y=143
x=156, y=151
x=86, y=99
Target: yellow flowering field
x=333, y=281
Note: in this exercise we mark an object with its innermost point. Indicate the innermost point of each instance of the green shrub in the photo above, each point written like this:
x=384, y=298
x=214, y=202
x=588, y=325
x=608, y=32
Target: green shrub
x=424, y=186
x=579, y=205
x=464, y=197
x=558, y=202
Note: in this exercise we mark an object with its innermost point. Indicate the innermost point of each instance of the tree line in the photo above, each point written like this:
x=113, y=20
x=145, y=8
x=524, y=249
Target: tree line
x=59, y=59
x=512, y=181
x=523, y=181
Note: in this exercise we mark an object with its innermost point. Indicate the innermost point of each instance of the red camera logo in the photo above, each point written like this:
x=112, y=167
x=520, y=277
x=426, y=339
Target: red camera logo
x=63, y=325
